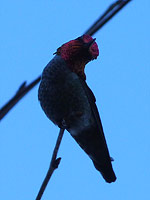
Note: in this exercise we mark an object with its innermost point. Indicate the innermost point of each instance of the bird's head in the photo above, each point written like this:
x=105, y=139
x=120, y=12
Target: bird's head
x=78, y=52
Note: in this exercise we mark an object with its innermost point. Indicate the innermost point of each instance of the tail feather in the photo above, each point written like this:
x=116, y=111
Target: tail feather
x=106, y=171
x=96, y=148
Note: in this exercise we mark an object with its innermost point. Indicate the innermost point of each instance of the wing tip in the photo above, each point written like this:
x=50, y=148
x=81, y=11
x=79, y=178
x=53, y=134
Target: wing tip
x=110, y=179
x=107, y=172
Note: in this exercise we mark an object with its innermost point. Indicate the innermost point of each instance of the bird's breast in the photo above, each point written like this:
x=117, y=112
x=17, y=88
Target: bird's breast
x=62, y=96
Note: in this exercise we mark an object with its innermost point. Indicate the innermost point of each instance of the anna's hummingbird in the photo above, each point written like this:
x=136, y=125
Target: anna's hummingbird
x=68, y=101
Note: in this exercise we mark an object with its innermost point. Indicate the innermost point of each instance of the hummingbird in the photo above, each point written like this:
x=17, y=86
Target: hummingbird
x=69, y=103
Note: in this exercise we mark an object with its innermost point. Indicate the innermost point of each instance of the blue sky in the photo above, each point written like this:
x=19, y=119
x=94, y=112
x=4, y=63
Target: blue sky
x=30, y=33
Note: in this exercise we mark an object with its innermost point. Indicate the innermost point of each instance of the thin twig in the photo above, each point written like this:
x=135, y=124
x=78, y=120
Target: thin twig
x=110, y=12
x=23, y=90
x=53, y=165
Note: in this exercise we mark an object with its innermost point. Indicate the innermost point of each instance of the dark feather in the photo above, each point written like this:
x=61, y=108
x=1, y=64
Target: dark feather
x=101, y=158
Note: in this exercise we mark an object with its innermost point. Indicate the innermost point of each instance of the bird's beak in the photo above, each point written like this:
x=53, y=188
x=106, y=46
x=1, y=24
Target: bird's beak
x=89, y=44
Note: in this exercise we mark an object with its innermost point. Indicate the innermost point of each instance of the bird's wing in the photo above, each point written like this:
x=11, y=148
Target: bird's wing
x=92, y=102
x=106, y=171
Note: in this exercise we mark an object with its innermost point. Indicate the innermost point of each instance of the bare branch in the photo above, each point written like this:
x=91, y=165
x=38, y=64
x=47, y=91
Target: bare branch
x=23, y=90
x=108, y=14
x=53, y=165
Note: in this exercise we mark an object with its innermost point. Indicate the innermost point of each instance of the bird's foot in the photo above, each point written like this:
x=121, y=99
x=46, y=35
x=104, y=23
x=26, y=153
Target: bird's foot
x=63, y=124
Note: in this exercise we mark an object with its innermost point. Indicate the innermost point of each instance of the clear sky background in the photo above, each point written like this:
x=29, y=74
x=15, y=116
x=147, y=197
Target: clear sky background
x=30, y=32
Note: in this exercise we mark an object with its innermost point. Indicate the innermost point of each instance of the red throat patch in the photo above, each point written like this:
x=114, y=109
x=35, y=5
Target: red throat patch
x=77, y=53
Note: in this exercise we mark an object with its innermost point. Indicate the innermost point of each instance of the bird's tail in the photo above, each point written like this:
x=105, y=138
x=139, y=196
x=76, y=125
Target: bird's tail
x=94, y=144
x=106, y=171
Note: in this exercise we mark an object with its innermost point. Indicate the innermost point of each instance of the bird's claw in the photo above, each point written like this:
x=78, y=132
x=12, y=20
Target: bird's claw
x=63, y=124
